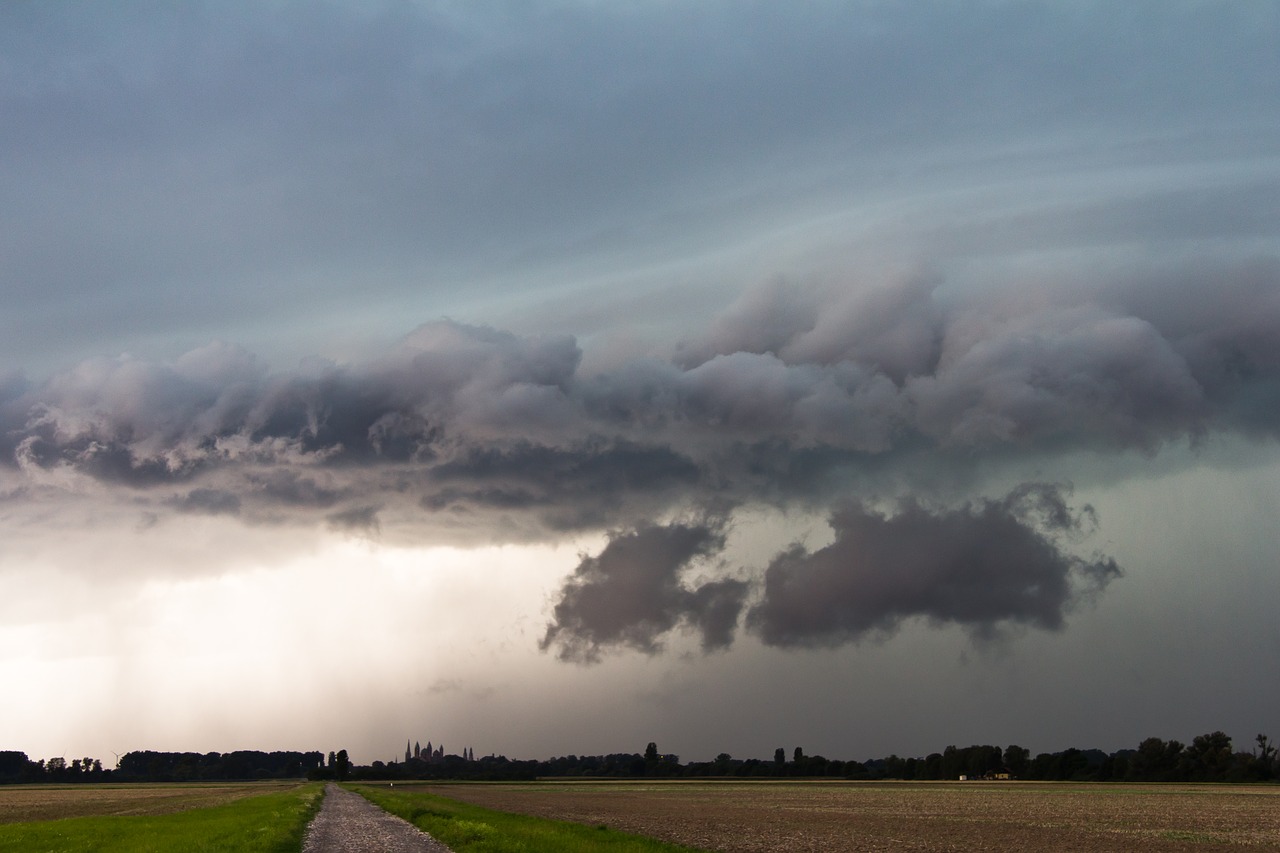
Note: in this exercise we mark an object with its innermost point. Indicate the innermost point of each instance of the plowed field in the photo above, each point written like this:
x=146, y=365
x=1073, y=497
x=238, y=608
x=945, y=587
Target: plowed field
x=836, y=817
x=24, y=803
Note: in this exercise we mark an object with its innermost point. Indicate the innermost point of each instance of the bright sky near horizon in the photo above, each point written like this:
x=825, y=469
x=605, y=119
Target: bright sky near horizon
x=556, y=377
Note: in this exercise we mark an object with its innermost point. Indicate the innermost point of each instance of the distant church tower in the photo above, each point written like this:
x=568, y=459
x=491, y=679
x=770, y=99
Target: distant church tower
x=406, y=750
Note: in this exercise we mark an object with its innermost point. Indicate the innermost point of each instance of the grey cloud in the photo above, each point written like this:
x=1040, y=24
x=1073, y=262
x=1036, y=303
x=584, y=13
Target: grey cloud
x=357, y=519
x=986, y=564
x=302, y=146
x=894, y=326
x=485, y=423
x=1076, y=374
x=290, y=488
x=1221, y=320
x=631, y=594
x=209, y=502
x=582, y=485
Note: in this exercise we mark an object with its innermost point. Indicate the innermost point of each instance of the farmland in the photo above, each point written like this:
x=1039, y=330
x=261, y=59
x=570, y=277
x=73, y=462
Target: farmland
x=25, y=803
x=143, y=819
x=834, y=817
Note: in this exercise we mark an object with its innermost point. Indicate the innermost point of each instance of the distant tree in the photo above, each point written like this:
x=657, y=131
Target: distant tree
x=1155, y=761
x=779, y=757
x=651, y=752
x=1208, y=758
x=798, y=755
x=1017, y=760
x=341, y=765
x=952, y=763
x=1264, y=758
x=13, y=765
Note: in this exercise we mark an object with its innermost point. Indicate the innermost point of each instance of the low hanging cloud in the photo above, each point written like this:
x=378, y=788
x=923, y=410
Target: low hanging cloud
x=979, y=566
x=982, y=566
x=467, y=434
x=632, y=593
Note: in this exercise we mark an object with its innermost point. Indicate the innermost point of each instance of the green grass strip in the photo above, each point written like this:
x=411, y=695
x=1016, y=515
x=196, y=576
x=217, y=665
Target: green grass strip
x=471, y=829
x=269, y=823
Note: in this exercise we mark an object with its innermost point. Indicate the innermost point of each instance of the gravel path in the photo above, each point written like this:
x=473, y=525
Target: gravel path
x=348, y=823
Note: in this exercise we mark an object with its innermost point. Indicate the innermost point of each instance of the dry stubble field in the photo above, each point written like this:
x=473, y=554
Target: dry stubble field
x=24, y=803
x=838, y=817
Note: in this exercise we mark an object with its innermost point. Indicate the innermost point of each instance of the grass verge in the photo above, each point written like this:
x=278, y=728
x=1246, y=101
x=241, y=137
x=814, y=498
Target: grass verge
x=269, y=823
x=472, y=829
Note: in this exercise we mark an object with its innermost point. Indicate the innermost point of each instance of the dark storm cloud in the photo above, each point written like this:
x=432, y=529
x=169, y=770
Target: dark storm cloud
x=983, y=566
x=574, y=487
x=632, y=593
x=472, y=420
x=988, y=563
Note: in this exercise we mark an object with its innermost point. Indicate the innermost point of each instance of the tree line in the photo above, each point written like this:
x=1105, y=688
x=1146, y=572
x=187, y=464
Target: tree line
x=1207, y=758
x=148, y=766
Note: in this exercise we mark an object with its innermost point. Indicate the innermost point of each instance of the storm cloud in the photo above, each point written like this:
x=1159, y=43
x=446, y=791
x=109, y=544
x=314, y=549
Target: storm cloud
x=469, y=422
x=473, y=434
x=985, y=564
x=638, y=328
x=632, y=593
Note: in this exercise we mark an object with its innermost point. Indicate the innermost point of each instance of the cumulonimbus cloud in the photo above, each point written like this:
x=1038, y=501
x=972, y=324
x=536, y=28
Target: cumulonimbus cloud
x=487, y=435
x=467, y=419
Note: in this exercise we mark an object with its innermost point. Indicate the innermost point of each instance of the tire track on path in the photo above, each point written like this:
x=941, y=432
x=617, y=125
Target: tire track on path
x=348, y=823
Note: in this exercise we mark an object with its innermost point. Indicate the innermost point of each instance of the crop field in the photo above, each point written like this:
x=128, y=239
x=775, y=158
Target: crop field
x=25, y=803
x=835, y=817
x=256, y=818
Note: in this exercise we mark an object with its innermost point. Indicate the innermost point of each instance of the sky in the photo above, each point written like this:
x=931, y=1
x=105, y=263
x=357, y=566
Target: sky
x=555, y=377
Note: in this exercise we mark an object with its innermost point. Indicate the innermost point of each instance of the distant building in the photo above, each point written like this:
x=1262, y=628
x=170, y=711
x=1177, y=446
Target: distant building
x=432, y=754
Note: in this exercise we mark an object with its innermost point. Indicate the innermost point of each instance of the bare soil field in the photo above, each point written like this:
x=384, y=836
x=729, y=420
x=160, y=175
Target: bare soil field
x=841, y=817
x=24, y=803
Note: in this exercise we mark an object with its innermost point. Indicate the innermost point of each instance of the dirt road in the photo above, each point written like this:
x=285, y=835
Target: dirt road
x=348, y=823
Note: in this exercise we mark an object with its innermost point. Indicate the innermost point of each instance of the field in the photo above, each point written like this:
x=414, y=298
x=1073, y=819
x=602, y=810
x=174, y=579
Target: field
x=51, y=802
x=467, y=828
x=252, y=818
x=835, y=817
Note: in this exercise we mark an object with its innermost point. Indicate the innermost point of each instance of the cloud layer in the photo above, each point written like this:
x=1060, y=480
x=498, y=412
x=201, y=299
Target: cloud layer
x=470, y=422
x=470, y=434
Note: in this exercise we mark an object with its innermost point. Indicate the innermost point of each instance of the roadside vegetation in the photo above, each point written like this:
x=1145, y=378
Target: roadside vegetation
x=471, y=829
x=266, y=823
